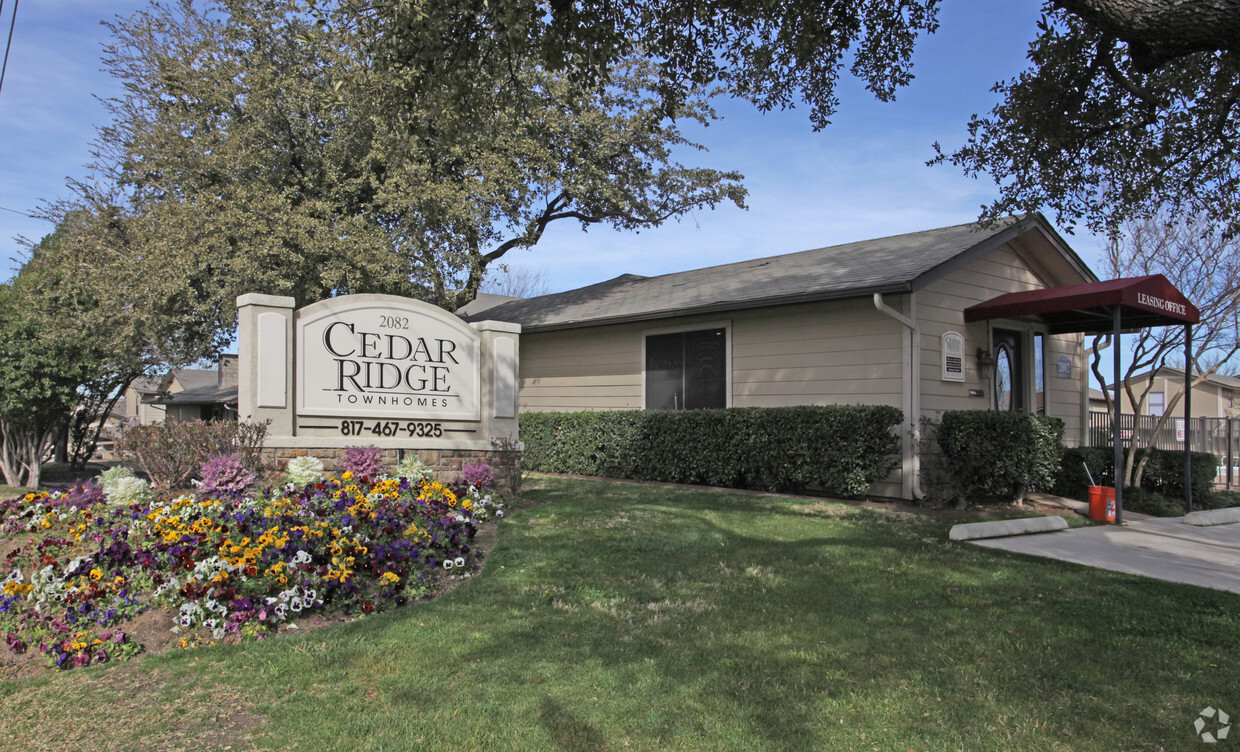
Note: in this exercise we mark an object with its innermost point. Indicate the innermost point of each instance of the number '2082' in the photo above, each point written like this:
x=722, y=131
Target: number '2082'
x=393, y=322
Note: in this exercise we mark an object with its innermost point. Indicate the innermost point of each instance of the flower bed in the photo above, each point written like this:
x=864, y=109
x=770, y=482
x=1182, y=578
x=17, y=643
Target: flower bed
x=229, y=568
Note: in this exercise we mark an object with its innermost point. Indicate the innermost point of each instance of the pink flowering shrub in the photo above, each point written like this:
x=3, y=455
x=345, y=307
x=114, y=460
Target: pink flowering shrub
x=224, y=476
x=477, y=474
x=362, y=461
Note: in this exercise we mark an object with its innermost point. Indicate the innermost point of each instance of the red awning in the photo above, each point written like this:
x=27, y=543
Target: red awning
x=1143, y=301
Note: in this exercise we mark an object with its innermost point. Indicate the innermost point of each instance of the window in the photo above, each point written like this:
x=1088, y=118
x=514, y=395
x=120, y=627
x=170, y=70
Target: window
x=1158, y=403
x=1010, y=370
x=1039, y=374
x=1005, y=374
x=687, y=370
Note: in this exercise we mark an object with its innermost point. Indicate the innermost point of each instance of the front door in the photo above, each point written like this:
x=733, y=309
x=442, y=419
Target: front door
x=1009, y=371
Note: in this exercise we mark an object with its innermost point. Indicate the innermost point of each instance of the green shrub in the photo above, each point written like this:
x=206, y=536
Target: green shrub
x=841, y=450
x=991, y=456
x=1153, y=503
x=1164, y=475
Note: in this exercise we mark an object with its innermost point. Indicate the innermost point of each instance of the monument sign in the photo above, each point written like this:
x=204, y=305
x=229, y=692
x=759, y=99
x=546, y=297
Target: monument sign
x=379, y=370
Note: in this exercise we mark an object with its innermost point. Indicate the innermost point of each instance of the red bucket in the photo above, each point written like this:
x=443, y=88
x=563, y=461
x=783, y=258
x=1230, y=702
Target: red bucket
x=1102, y=503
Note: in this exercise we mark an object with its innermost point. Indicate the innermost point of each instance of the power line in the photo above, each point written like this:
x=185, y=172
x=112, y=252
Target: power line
x=15, y=211
x=9, y=44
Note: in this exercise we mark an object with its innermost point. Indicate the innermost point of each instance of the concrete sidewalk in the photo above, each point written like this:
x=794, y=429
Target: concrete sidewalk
x=1162, y=548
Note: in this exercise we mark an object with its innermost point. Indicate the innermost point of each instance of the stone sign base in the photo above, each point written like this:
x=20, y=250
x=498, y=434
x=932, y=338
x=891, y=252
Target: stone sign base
x=446, y=463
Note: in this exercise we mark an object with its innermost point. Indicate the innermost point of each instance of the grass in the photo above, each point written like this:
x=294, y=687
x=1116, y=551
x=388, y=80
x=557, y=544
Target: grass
x=617, y=616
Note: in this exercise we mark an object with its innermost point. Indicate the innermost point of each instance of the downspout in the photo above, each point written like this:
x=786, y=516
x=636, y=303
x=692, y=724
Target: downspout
x=912, y=386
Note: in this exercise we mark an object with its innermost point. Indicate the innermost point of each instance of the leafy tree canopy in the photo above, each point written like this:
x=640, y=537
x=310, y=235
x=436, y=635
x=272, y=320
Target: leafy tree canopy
x=1128, y=105
x=1103, y=131
x=260, y=151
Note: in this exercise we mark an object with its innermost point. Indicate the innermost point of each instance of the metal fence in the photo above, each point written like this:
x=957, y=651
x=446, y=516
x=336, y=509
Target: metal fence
x=1218, y=436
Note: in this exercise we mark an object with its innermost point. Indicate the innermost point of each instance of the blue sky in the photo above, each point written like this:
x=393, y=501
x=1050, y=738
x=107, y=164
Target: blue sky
x=862, y=177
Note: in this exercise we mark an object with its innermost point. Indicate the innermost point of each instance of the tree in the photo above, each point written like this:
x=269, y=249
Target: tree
x=40, y=371
x=51, y=358
x=89, y=327
x=1129, y=105
x=769, y=53
x=1105, y=131
x=1204, y=264
x=246, y=168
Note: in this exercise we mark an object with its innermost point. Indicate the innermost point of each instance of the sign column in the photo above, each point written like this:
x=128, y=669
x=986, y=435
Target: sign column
x=265, y=374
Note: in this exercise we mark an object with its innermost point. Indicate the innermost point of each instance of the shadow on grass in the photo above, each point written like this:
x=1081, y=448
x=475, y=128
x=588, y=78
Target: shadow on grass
x=856, y=617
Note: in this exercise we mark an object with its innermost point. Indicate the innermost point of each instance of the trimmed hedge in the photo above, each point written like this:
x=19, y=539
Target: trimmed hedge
x=840, y=449
x=1164, y=473
x=987, y=455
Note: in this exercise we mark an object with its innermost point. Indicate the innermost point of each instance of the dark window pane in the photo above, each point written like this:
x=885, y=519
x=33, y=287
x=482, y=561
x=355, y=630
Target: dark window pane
x=665, y=372
x=706, y=379
x=1003, y=379
x=1039, y=374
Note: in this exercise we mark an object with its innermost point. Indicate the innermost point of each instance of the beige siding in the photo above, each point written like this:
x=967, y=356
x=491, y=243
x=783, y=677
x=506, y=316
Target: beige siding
x=1209, y=400
x=840, y=352
x=812, y=354
x=582, y=369
x=1064, y=395
x=940, y=308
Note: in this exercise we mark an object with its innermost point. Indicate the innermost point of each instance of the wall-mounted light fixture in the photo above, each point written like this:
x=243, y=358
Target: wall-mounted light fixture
x=985, y=360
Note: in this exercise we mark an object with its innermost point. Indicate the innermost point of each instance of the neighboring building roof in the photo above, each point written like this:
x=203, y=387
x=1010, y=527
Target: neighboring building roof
x=193, y=378
x=202, y=395
x=900, y=263
x=146, y=384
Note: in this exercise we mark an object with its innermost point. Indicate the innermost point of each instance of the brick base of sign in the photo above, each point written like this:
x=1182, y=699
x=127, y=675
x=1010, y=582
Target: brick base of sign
x=446, y=463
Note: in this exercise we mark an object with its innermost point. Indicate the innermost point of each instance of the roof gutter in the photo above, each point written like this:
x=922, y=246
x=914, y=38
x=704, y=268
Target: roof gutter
x=911, y=464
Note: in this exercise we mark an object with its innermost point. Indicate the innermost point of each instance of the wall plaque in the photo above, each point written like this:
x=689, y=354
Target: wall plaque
x=953, y=356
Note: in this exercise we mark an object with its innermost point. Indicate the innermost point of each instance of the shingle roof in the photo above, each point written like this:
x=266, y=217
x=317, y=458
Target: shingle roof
x=146, y=384
x=893, y=264
x=194, y=378
x=201, y=395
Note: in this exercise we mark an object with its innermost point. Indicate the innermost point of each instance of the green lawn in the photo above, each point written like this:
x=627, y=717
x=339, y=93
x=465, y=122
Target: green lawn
x=615, y=617
x=12, y=492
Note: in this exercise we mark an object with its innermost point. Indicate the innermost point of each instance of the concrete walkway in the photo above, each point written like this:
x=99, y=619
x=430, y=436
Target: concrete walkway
x=1162, y=548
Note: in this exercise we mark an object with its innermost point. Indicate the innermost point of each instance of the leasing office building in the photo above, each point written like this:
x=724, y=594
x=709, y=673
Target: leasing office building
x=874, y=322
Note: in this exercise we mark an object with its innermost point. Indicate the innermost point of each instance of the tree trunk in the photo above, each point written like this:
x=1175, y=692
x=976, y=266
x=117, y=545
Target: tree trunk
x=21, y=448
x=1158, y=31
